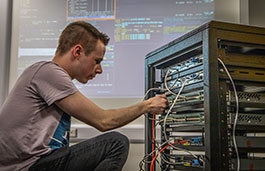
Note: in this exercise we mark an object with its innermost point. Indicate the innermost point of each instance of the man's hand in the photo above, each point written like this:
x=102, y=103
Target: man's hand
x=157, y=104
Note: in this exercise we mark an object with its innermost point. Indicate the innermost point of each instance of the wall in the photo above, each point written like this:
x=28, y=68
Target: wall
x=227, y=10
x=244, y=12
x=5, y=41
x=257, y=13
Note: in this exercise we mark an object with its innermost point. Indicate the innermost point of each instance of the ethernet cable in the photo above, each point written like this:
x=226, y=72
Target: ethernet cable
x=165, y=119
x=236, y=115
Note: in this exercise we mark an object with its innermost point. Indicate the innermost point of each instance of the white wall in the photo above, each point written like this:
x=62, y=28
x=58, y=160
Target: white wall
x=227, y=10
x=257, y=13
x=244, y=12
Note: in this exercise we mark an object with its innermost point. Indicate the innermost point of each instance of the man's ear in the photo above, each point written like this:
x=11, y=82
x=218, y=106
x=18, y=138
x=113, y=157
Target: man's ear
x=77, y=50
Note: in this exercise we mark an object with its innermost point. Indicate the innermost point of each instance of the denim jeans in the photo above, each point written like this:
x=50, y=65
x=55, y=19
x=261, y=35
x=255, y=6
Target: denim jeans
x=107, y=152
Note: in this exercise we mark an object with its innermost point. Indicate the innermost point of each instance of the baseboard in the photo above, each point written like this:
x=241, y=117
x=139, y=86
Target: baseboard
x=80, y=132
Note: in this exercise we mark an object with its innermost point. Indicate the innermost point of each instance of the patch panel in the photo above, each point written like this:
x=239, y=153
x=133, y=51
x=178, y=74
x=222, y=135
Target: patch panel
x=188, y=79
x=186, y=97
x=187, y=163
x=192, y=141
x=184, y=118
x=183, y=160
x=181, y=74
x=177, y=153
x=186, y=64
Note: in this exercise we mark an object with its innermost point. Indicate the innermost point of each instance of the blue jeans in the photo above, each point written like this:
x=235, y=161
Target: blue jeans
x=107, y=152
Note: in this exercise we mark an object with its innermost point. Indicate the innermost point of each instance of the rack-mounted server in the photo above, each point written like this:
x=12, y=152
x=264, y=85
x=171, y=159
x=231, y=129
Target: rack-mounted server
x=214, y=80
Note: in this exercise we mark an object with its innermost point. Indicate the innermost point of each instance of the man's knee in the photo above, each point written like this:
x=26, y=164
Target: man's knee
x=121, y=139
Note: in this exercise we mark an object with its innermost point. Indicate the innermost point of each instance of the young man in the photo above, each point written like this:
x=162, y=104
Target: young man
x=35, y=118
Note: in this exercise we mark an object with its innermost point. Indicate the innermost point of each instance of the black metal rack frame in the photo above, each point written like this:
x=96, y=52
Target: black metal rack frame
x=242, y=49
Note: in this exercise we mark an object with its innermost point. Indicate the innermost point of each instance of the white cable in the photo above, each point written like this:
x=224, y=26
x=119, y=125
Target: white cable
x=175, y=100
x=169, y=110
x=165, y=83
x=152, y=89
x=236, y=116
x=172, y=86
x=155, y=150
x=165, y=119
x=173, y=104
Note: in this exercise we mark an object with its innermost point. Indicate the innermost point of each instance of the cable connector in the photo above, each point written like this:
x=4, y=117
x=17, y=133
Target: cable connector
x=161, y=91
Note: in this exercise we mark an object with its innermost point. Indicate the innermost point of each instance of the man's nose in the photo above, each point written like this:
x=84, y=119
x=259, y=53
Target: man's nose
x=99, y=69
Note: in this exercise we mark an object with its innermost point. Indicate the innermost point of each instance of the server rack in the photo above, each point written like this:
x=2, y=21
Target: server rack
x=219, y=120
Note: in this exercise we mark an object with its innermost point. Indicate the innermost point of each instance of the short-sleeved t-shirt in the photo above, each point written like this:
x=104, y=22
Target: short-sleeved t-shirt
x=31, y=125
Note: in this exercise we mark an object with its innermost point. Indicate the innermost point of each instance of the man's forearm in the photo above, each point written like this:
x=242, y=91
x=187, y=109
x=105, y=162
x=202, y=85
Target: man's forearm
x=119, y=117
x=85, y=110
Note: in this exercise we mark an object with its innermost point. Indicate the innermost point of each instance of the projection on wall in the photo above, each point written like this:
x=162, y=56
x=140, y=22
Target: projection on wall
x=136, y=27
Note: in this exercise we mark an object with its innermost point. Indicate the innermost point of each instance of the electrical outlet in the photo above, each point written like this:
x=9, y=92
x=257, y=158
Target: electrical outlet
x=73, y=133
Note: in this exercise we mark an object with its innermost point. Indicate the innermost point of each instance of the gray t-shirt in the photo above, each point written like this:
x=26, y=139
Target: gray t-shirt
x=31, y=125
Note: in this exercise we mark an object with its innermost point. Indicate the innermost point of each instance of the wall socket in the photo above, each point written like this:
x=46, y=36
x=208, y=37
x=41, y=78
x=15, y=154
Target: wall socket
x=73, y=133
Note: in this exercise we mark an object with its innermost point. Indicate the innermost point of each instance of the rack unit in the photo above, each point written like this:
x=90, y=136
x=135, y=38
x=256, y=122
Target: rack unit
x=209, y=105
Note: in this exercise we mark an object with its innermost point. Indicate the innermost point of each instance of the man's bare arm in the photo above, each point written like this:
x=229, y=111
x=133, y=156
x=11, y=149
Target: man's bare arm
x=80, y=107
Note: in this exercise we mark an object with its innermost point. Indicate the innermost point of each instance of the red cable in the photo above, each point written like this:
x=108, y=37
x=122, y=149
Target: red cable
x=152, y=164
x=153, y=137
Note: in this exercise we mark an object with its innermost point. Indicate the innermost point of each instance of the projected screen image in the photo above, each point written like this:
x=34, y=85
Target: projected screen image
x=135, y=27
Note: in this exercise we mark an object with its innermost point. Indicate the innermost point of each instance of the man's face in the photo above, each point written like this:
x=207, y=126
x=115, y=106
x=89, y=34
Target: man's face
x=90, y=65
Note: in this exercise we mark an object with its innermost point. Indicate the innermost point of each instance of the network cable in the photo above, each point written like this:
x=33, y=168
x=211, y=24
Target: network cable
x=165, y=120
x=236, y=115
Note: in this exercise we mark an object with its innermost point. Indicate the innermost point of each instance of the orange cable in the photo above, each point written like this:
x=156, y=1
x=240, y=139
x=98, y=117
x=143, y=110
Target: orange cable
x=152, y=164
